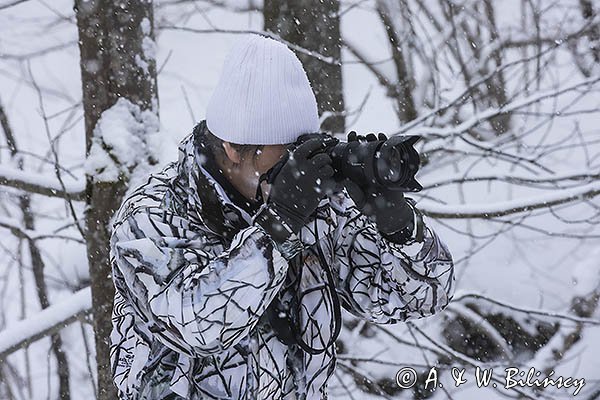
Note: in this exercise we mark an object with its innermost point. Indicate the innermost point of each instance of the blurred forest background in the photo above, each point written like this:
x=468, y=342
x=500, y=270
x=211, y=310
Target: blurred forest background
x=504, y=92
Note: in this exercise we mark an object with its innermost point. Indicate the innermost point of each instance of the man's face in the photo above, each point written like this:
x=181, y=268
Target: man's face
x=244, y=171
x=267, y=157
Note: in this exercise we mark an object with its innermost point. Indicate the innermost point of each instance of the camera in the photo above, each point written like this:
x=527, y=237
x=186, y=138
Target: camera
x=390, y=163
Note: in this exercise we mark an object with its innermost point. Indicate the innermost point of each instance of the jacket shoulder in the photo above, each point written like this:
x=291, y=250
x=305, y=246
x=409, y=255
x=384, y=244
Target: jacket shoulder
x=160, y=190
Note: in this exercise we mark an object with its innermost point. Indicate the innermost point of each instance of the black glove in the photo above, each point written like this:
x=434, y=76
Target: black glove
x=393, y=215
x=298, y=183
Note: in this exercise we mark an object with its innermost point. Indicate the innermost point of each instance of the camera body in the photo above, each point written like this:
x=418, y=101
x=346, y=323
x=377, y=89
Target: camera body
x=390, y=163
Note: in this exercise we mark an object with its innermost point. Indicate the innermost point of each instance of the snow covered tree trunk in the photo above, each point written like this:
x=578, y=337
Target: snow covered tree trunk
x=315, y=26
x=118, y=71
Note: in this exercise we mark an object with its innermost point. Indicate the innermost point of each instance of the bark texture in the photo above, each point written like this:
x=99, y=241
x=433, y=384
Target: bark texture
x=117, y=60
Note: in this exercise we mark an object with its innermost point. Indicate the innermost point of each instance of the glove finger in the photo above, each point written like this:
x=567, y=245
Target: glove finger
x=306, y=149
x=371, y=137
x=352, y=136
x=382, y=136
x=320, y=159
x=326, y=172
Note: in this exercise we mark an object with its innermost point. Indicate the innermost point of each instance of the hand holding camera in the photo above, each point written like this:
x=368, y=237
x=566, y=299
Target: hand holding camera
x=374, y=169
x=387, y=206
x=298, y=183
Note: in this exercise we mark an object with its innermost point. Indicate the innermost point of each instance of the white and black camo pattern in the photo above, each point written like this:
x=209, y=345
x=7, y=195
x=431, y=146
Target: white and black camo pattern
x=193, y=280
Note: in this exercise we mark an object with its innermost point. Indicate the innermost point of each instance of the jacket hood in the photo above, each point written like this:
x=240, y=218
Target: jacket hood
x=207, y=201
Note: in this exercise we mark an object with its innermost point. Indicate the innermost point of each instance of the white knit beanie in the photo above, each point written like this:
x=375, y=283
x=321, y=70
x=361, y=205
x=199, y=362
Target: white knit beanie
x=263, y=96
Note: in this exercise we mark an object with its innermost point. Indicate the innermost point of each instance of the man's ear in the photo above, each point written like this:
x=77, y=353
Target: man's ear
x=232, y=153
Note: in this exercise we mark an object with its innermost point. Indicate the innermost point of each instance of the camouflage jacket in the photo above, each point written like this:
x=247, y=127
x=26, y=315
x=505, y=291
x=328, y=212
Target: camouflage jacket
x=197, y=282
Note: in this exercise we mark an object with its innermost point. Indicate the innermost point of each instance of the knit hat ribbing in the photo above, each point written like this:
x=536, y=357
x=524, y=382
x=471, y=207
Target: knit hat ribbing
x=263, y=95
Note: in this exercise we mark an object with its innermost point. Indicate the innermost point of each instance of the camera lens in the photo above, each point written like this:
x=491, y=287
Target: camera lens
x=388, y=162
x=391, y=163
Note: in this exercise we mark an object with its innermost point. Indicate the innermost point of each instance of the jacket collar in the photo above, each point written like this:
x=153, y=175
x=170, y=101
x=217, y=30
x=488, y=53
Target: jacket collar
x=208, y=162
x=207, y=199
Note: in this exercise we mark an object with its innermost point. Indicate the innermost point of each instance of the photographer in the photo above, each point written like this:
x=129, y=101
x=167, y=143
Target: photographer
x=232, y=264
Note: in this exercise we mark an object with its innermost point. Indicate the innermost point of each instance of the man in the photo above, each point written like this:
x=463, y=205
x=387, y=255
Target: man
x=223, y=295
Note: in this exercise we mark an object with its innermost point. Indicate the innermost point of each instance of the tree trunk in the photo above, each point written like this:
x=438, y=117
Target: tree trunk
x=497, y=85
x=314, y=25
x=117, y=61
x=405, y=103
x=589, y=13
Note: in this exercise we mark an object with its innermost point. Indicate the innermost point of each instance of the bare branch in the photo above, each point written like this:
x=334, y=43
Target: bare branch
x=383, y=80
x=37, y=53
x=320, y=57
x=483, y=324
x=233, y=6
x=491, y=48
x=464, y=359
x=492, y=112
x=56, y=163
x=11, y=4
x=44, y=185
x=513, y=179
x=502, y=208
x=532, y=311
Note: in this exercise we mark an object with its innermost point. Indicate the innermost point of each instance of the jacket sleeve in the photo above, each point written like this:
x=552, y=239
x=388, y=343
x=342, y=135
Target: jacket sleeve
x=193, y=295
x=386, y=282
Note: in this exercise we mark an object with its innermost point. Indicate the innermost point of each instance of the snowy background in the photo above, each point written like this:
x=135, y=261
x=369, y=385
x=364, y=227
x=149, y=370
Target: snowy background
x=533, y=263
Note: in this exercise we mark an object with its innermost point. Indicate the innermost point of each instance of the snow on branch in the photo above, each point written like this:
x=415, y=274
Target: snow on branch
x=45, y=323
x=501, y=208
x=483, y=324
x=463, y=358
x=495, y=111
x=124, y=136
x=40, y=184
x=583, y=175
x=11, y=4
x=530, y=311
